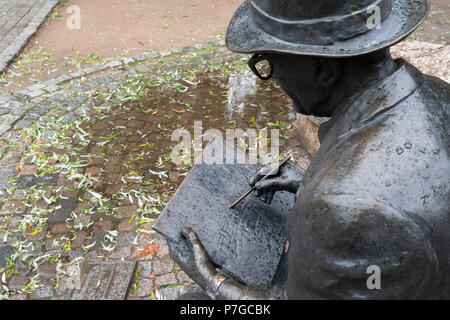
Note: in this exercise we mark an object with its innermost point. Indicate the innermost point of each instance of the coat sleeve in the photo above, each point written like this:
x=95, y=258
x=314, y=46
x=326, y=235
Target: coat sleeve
x=338, y=242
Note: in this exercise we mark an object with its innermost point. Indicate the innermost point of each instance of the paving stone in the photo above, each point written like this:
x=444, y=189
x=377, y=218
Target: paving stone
x=6, y=122
x=101, y=227
x=183, y=277
x=127, y=225
x=161, y=267
x=143, y=69
x=146, y=56
x=22, y=123
x=121, y=253
x=75, y=254
x=5, y=252
x=151, y=237
x=46, y=270
x=28, y=170
x=128, y=60
x=48, y=179
x=93, y=170
x=60, y=228
x=79, y=241
x=39, y=236
x=17, y=282
x=163, y=252
x=18, y=194
x=145, y=269
x=22, y=268
x=60, y=215
x=62, y=79
x=126, y=238
x=18, y=296
x=126, y=212
x=43, y=293
x=25, y=182
x=165, y=280
x=83, y=219
x=113, y=64
x=145, y=288
x=13, y=207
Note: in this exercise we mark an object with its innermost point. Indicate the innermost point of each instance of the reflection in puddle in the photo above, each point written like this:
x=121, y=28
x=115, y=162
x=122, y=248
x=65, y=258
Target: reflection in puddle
x=239, y=87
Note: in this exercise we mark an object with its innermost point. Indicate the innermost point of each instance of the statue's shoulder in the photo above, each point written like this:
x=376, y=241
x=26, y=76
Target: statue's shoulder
x=401, y=156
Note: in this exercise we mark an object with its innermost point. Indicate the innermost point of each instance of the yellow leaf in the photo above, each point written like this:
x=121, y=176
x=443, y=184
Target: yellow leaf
x=33, y=233
x=68, y=246
x=179, y=111
x=155, y=112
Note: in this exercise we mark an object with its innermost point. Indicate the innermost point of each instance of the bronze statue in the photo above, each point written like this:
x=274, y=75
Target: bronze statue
x=377, y=192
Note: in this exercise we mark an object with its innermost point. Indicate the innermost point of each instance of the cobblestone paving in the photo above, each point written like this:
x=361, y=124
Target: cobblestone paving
x=19, y=19
x=85, y=165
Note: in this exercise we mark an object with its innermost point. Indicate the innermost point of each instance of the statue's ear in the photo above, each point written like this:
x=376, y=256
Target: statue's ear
x=328, y=72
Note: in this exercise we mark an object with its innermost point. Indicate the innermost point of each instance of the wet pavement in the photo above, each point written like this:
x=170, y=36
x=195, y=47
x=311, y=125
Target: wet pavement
x=85, y=171
x=19, y=20
x=85, y=168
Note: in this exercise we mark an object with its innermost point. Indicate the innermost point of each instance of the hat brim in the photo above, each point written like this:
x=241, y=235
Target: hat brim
x=244, y=36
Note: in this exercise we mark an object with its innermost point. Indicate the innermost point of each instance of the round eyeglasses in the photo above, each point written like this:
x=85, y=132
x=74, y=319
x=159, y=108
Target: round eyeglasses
x=253, y=62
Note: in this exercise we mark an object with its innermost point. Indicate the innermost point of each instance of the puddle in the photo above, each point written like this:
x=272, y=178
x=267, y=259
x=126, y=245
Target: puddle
x=134, y=141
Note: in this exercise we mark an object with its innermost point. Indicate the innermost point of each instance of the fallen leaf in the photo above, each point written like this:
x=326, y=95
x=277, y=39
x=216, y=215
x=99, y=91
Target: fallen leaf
x=33, y=233
x=68, y=246
x=150, y=249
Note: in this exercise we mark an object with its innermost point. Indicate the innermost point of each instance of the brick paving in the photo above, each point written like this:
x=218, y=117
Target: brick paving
x=19, y=19
x=83, y=160
x=84, y=168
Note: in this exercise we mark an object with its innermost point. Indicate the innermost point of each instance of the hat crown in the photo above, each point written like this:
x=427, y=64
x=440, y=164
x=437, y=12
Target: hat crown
x=310, y=9
x=316, y=21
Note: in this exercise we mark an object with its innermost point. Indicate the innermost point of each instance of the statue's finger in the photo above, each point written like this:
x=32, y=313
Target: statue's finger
x=267, y=184
x=185, y=231
x=270, y=195
x=190, y=235
x=254, y=179
x=264, y=197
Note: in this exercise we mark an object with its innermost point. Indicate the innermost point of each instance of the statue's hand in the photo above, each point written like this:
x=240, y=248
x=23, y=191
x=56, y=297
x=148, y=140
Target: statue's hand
x=197, y=263
x=288, y=178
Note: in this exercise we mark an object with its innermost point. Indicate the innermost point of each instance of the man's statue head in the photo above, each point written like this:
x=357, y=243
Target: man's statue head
x=322, y=52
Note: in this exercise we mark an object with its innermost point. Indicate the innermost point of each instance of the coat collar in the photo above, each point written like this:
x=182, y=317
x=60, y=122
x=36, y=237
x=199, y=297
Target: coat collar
x=375, y=100
x=366, y=108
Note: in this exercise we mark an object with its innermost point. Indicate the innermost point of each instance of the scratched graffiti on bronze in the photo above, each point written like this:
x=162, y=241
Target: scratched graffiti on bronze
x=247, y=241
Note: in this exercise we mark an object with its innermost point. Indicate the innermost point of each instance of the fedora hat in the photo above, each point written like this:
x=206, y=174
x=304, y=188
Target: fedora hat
x=331, y=28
